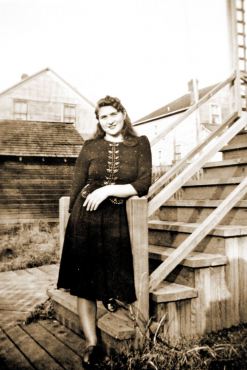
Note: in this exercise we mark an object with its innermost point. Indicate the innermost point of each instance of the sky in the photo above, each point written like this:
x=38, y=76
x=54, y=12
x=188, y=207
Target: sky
x=137, y=50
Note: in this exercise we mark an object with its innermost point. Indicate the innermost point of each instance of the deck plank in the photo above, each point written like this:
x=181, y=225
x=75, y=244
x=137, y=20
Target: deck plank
x=10, y=356
x=37, y=355
x=65, y=335
x=49, y=270
x=37, y=272
x=59, y=351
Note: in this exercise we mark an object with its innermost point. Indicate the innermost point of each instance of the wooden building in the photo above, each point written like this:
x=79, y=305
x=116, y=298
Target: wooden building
x=36, y=165
x=176, y=144
x=46, y=97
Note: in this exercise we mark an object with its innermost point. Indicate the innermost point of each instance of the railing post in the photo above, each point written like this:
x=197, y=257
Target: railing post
x=63, y=219
x=138, y=227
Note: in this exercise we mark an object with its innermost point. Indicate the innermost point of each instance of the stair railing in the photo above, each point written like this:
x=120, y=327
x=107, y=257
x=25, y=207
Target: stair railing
x=212, y=220
x=139, y=209
x=174, y=170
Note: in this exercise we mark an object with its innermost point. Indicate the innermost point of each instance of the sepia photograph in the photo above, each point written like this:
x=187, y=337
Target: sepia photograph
x=123, y=185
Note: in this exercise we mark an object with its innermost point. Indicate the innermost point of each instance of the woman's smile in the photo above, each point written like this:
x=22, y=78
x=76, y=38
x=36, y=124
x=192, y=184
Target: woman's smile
x=111, y=120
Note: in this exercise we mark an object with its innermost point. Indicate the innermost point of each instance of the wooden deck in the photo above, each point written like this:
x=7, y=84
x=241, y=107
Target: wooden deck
x=44, y=345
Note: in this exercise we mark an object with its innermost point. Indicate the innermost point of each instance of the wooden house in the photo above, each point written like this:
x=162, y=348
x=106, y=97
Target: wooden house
x=47, y=97
x=177, y=143
x=36, y=166
x=189, y=234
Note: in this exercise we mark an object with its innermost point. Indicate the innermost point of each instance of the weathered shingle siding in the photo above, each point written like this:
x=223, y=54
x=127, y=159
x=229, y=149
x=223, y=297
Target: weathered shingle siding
x=39, y=139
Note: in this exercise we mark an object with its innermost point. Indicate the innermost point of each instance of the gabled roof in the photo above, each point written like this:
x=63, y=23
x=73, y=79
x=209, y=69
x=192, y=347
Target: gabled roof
x=39, y=139
x=24, y=81
x=176, y=106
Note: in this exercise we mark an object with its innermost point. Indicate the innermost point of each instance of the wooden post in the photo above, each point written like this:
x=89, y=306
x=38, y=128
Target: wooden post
x=138, y=227
x=63, y=218
x=233, y=40
x=194, y=98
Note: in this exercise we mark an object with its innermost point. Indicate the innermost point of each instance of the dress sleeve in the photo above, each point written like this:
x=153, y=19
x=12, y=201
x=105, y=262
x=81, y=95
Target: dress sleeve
x=80, y=175
x=144, y=177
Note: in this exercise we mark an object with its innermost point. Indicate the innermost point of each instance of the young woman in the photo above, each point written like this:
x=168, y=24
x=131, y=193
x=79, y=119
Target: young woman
x=96, y=262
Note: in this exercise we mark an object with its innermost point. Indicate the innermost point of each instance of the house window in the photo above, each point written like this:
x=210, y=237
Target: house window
x=215, y=114
x=20, y=109
x=69, y=114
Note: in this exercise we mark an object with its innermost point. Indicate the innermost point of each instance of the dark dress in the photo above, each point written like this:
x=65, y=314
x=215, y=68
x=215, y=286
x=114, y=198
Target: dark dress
x=96, y=261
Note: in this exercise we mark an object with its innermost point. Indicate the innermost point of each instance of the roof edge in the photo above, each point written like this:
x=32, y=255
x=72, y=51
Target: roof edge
x=161, y=116
x=47, y=69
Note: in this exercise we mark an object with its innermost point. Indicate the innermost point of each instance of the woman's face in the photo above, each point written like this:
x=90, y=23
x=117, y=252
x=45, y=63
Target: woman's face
x=111, y=120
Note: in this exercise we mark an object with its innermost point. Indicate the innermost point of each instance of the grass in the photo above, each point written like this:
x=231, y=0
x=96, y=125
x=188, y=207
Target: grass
x=224, y=350
x=29, y=245
x=43, y=311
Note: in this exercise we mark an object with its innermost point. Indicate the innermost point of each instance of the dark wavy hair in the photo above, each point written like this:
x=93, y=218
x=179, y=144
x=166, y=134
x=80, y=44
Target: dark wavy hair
x=127, y=130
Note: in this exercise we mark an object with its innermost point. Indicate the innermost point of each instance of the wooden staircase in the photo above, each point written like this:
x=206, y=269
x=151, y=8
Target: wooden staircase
x=217, y=268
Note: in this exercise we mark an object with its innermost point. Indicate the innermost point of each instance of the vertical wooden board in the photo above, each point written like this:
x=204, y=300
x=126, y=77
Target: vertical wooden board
x=232, y=281
x=224, y=295
x=37, y=356
x=138, y=227
x=184, y=308
x=203, y=286
x=217, y=297
x=60, y=352
x=161, y=311
x=11, y=357
x=66, y=336
x=194, y=315
x=63, y=218
x=243, y=278
x=173, y=321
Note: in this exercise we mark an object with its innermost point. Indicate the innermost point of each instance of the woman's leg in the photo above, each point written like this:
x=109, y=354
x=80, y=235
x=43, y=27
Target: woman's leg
x=87, y=311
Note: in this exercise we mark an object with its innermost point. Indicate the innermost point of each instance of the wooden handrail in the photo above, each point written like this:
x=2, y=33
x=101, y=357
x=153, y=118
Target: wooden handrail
x=180, y=165
x=192, y=109
x=194, y=239
x=211, y=148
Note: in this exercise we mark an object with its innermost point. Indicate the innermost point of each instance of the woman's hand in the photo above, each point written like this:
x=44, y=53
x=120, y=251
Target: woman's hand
x=94, y=199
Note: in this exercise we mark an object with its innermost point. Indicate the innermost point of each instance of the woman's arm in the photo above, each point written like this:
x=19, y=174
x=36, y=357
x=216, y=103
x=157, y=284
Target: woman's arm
x=94, y=199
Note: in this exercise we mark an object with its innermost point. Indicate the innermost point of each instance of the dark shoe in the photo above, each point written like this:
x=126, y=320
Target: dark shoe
x=111, y=305
x=90, y=357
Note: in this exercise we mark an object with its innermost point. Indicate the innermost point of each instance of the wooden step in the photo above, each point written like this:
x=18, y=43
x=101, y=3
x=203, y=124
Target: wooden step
x=189, y=227
x=116, y=329
x=237, y=147
x=172, y=234
x=225, y=169
x=193, y=260
x=235, y=153
x=199, y=210
x=239, y=141
x=171, y=292
x=214, y=189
